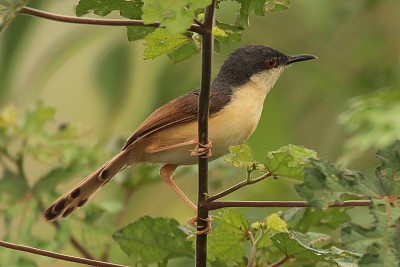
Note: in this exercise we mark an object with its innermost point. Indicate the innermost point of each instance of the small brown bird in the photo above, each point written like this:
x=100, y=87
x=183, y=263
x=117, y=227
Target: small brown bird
x=169, y=134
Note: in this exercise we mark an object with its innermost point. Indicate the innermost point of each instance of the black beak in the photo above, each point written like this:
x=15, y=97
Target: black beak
x=298, y=58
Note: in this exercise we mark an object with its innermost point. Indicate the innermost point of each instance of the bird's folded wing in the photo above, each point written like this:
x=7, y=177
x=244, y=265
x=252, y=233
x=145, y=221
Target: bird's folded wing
x=180, y=110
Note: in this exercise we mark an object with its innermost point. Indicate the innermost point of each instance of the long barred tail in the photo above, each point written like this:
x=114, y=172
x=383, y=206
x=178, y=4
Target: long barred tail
x=82, y=192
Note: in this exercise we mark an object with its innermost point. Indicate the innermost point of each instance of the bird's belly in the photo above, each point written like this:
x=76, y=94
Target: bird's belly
x=231, y=126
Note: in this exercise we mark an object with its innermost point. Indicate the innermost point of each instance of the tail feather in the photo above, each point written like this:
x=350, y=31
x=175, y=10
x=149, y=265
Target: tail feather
x=81, y=193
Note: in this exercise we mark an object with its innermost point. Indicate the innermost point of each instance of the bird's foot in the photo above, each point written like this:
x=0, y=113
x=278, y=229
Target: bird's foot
x=193, y=222
x=201, y=150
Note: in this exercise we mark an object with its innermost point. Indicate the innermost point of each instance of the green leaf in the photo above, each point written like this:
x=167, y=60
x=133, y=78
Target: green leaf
x=162, y=41
x=240, y=156
x=388, y=173
x=289, y=161
x=127, y=9
x=8, y=10
x=138, y=32
x=175, y=15
x=153, y=240
x=325, y=184
x=304, y=246
x=304, y=219
x=374, y=121
x=379, y=242
x=225, y=241
x=184, y=52
x=277, y=5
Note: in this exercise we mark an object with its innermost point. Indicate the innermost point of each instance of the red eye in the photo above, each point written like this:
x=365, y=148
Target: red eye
x=270, y=62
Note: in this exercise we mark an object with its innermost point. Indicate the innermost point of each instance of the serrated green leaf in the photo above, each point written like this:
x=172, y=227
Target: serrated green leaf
x=135, y=33
x=304, y=246
x=325, y=184
x=303, y=219
x=379, y=243
x=225, y=241
x=175, y=15
x=388, y=173
x=184, y=52
x=289, y=161
x=162, y=42
x=8, y=10
x=153, y=240
x=127, y=9
x=240, y=156
x=277, y=5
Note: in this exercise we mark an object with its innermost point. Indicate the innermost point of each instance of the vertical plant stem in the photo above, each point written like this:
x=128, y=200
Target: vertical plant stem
x=202, y=213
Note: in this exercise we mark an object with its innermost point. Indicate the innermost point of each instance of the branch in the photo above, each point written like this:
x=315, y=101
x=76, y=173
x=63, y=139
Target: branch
x=93, y=21
x=54, y=255
x=238, y=186
x=286, y=204
x=202, y=213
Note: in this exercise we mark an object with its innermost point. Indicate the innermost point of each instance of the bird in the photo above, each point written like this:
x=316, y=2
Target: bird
x=169, y=135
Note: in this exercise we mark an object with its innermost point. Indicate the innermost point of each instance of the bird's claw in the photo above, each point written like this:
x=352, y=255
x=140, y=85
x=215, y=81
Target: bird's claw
x=193, y=222
x=202, y=150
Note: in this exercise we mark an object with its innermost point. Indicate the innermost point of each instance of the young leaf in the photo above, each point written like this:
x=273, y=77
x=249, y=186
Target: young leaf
x=303, y=246
x=153, y=240
x=225, y=241
x=161, y=41
x=240, y=156
x=289, y=161
x=175, y=16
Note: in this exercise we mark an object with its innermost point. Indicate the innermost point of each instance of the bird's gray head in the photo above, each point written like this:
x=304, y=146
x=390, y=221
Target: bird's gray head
x=259, y=63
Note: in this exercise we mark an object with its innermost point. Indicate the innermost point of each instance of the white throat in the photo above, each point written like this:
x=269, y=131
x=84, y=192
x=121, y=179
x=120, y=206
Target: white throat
x=266, y=80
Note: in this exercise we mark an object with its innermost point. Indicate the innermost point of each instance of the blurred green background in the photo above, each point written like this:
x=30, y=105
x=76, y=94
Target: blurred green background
x=95, y=78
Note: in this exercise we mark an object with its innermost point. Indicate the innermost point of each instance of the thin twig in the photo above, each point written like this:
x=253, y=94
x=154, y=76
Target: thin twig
x=280, y=262
x=94, y=21
x=207, y=50
x=285, y=204
x=238, y=186
x=54, y=255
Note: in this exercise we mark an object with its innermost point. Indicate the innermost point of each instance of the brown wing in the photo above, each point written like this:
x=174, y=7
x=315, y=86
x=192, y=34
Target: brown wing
x=179, y=110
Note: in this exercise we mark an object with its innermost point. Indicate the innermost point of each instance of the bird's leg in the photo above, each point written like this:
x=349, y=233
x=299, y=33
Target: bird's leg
x=201, y=150
x=193, y=222
x=166, y=173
